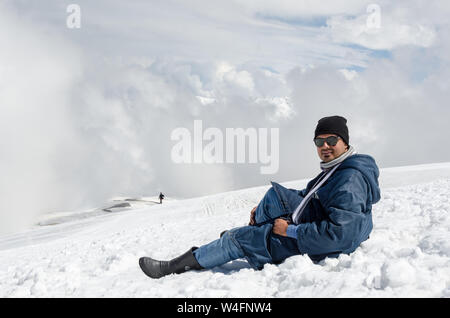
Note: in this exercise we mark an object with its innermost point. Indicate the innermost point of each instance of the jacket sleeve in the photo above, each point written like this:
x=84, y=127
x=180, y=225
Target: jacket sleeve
x=345, y=208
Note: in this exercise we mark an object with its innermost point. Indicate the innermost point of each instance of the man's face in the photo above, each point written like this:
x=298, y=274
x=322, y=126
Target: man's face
x=327, y=152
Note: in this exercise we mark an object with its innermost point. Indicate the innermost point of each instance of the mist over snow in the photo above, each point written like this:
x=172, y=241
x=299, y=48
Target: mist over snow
x=87, y=114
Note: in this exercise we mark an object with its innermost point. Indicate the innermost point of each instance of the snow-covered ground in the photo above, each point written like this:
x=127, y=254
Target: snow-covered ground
x=95, y=253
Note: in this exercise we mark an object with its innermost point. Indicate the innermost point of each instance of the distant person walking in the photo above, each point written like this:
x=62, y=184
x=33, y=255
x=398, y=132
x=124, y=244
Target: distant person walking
x=161, y=197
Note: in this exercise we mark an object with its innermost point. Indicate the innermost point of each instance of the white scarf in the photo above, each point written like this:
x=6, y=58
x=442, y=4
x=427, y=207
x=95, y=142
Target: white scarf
x=327, y=165
x=328, y=168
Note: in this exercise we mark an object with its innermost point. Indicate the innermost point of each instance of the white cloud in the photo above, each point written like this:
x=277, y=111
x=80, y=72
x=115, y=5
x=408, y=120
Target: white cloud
x=228, y=74
x=282, y=105
x=35, y=85
x=391, y=33
x=206, y=100
x=348, y=74
x=303, y=8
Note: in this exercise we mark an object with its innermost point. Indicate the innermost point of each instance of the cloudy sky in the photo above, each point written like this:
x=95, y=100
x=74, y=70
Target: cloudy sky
x=87, y=113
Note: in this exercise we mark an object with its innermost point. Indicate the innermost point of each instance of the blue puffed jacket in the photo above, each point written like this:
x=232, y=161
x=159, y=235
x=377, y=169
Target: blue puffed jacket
x=339, y=215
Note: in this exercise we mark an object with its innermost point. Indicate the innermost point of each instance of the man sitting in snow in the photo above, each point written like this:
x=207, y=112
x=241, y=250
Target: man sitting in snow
x=333, y=215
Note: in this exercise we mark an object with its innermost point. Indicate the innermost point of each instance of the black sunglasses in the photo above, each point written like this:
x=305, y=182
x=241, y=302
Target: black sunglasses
x=332, y=141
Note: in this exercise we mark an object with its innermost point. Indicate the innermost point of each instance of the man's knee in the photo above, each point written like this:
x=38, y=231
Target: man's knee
x=269, y=207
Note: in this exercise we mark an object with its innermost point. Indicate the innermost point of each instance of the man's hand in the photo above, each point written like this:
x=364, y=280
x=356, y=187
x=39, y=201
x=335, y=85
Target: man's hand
x=252, y=216
x=280, y=227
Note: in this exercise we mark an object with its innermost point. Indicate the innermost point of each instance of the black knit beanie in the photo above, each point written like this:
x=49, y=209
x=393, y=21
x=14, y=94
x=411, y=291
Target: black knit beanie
x=333, y=125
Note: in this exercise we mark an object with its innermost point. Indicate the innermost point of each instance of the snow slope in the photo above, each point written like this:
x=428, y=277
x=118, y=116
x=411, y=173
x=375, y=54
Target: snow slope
x=95, y=255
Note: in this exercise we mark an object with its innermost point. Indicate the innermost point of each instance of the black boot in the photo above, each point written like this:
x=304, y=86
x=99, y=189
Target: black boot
x=178, y=265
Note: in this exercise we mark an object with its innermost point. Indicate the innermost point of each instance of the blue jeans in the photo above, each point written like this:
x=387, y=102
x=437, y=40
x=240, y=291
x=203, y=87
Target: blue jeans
x=250, y=242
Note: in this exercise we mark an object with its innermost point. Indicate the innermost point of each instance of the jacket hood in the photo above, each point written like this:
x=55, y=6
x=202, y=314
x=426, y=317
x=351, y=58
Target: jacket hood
x=368, y=167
